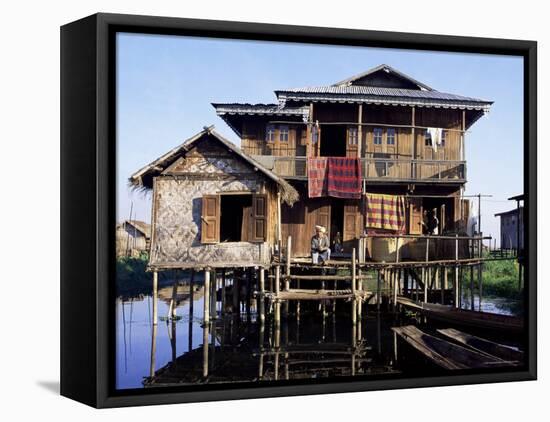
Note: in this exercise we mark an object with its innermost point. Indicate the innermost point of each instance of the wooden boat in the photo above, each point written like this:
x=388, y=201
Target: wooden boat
x=483, y=345
x=445, y=354
x=464, y=317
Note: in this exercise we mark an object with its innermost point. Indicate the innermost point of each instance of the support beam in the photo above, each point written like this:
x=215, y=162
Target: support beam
x=155, y=297
x=206, y=311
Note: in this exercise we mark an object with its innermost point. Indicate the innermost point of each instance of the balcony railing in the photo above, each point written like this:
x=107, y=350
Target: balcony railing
x=379, y=169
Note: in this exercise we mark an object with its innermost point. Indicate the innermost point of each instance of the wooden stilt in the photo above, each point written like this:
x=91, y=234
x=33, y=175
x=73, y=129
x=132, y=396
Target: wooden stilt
x=480, y=284
x=191, y=294
x=172, y=307
x=472, y=287
x=277, y=301
x=261, y=300
x=155, y=297
x=152, y=363
x=353, y=288
x=206, y=311
x=224, y=294
x=455, y=287
x=214, y=287
x=378, y=298
x=205, y=344
x=236, y=293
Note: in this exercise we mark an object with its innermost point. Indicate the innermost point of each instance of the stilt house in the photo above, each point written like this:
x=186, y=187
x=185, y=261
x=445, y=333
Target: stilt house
x=368, y=157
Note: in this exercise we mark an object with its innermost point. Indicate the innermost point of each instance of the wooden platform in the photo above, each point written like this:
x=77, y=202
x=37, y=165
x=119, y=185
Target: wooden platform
x=318, y=294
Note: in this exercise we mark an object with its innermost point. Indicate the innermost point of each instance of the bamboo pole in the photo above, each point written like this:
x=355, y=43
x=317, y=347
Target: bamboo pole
x=152, y=363
x=155, y=297
x=455, y=287
x=472, y=288
x=205, y=344
x=425, y=278
x=262, y=298
x=378, y=280
x=223, y=292
x=206, y=310
x=353, y=288
x=277, y=302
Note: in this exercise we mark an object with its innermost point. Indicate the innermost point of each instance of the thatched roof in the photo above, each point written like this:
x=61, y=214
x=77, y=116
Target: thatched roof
x=140, y=226
x=143, y=178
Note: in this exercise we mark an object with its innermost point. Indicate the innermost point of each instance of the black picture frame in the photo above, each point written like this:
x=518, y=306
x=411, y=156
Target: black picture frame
x=88, y=199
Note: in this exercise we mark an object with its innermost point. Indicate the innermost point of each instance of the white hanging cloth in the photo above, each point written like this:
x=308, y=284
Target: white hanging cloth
x=436, y=133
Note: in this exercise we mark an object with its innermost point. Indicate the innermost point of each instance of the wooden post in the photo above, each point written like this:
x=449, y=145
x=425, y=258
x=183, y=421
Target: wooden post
x=413, y=142
x=277, y=301
x=472, y=287
x=152, y=363
x=395, y=288
x=455, y=287
x=236, y=293
x=378, y=291
x=359, y=130
x=279, y=219
x=353, y=288
x=155, y=297
x=480, y=284
x=223, y=292
x=191, y=294
x=425, y=277
x=261, y=301
x=214, y=286
x=206, y=311
x=205, y=337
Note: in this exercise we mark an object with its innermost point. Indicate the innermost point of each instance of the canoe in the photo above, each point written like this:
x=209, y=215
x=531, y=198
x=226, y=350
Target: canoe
x=464, y=317
x=445, y=354
x=483, y=345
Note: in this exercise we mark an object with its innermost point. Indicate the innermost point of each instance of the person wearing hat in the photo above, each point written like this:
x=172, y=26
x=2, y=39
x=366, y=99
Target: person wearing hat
x=320, y=245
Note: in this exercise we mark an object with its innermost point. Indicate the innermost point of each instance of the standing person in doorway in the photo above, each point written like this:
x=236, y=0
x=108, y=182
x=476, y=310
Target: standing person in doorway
x=320, y=246
x=433, y=223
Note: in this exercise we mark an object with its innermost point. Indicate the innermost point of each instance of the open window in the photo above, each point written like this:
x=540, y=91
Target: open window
x=233, y=218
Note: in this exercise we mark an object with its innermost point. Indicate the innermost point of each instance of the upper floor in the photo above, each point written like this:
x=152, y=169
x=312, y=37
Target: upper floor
x=401, y=129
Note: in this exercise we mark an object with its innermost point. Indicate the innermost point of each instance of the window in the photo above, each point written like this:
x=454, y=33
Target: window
x=427, y=138
x=283, y=133
x=377, y=133
x=352, y=136
x=233, y=218
x=390, y=136
x=270, y=133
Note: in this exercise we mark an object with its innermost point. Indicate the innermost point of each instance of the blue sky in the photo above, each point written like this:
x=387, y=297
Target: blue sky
x=165, y=85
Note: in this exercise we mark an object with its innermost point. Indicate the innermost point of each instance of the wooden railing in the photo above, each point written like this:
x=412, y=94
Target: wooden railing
x=381, y=169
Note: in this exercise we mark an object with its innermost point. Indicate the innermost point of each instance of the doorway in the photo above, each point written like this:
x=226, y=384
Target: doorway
x=336, y=225
x=333, y=141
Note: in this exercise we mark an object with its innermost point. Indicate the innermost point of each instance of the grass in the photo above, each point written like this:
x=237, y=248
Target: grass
x=500, y=278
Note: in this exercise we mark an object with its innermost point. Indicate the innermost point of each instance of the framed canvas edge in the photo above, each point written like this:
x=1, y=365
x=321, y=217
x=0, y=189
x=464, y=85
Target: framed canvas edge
x=107, y=24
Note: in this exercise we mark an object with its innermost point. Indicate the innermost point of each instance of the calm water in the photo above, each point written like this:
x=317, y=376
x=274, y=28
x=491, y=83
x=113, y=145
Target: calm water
x=239, y=349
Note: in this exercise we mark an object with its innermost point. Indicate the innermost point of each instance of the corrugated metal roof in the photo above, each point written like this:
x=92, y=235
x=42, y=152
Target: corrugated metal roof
x=356, y=93
x=258, y=109
x=386, y=68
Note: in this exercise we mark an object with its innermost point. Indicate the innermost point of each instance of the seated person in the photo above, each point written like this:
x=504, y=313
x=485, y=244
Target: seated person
x=320, y=245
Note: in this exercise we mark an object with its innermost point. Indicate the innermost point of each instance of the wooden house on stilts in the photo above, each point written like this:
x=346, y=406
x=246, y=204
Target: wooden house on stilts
x=379, y=159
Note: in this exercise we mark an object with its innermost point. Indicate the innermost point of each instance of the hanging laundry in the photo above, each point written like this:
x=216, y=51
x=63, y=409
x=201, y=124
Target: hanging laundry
x=339, y=177
x=385, y=212
x=436, y=134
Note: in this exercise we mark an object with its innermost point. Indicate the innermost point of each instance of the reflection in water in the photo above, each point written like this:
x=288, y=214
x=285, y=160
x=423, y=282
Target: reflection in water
x=183, y=350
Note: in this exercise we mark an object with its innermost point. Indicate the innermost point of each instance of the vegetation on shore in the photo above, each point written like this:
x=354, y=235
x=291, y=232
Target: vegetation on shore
x=500, y=278
x=132, y=276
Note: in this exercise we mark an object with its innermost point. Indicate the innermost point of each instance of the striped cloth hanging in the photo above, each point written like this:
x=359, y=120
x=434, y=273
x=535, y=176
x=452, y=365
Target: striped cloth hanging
x=385, y=212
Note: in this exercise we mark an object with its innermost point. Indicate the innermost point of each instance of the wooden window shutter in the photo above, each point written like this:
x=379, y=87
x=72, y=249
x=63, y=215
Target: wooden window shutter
x=259, y=218
x=415, y=216
x=210, y=219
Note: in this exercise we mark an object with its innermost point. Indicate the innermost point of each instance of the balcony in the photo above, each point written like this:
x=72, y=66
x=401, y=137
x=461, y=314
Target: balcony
x=378, y=169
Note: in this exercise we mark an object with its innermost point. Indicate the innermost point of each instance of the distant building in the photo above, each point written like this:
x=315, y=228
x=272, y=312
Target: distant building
x=132, y=238
x=509, y=228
